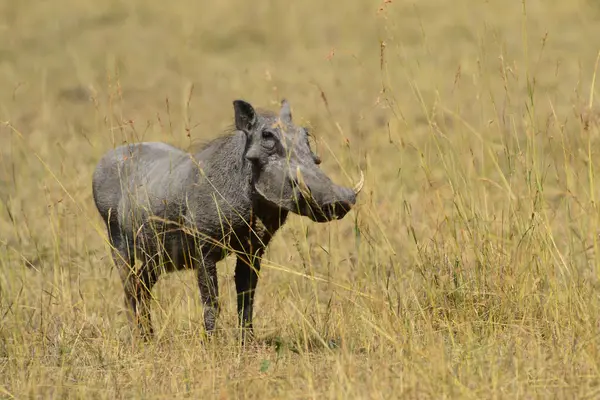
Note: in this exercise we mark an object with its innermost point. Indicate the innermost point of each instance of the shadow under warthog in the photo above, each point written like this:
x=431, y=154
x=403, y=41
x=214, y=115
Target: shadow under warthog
x=175, y=210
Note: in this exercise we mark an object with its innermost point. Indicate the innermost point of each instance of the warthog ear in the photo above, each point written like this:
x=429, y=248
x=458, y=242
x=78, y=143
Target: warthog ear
x=285, y=114
x=245, y=116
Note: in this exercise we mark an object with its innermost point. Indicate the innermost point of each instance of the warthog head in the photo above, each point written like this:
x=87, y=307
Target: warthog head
x=286, y=172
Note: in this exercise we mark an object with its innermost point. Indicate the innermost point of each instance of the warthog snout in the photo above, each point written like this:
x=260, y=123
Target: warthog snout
x=321, y=200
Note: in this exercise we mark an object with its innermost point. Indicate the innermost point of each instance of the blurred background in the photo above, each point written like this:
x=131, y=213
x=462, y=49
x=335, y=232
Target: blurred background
x=468, y=268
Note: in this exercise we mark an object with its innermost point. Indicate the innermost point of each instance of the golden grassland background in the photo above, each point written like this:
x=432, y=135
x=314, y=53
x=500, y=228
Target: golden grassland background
x=467, y=270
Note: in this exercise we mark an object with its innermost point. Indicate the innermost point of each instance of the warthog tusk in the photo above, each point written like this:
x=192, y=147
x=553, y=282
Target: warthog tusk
x=303, y=188
x=360, y=184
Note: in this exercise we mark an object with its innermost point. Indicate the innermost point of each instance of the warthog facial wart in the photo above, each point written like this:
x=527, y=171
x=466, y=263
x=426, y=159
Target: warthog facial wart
x=173, y=210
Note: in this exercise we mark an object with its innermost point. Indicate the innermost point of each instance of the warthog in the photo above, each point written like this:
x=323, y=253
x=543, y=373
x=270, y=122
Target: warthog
x=174, y=210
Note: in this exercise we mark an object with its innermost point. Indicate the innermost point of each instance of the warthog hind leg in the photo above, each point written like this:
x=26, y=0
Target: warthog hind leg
x=137, y=285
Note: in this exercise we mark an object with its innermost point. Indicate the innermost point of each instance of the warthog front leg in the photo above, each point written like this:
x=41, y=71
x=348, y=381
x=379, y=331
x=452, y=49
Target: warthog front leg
x=209, y=291
x=246, y=279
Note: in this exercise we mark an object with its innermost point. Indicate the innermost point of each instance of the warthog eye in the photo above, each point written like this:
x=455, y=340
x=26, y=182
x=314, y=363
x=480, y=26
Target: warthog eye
x=268, y=140
x=268, y=135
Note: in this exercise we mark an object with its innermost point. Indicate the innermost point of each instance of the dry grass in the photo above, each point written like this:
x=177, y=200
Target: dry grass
x=468, y=270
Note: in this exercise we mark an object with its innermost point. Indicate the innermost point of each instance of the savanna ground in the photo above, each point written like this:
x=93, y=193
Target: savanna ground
x=468, y=269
